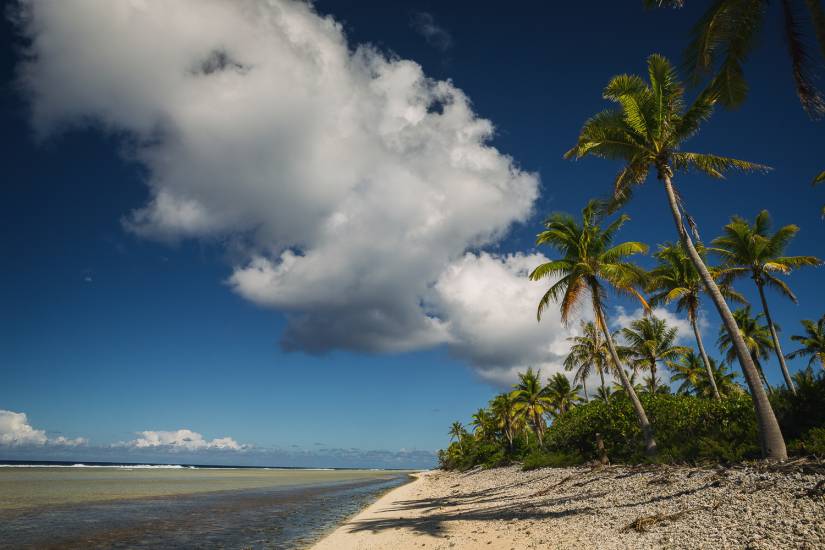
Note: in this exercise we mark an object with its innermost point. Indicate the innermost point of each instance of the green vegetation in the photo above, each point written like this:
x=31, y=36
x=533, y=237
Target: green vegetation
x=553, y=422
x=751, y=251
x=710, y=417
x=689, y=429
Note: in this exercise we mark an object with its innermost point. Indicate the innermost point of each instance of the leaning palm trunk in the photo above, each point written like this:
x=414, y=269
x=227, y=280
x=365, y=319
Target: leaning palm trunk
x=762, y=374
x=644, y=423
x=705, y=359
x=777, y=349
x=770, y=435
x=584, y=389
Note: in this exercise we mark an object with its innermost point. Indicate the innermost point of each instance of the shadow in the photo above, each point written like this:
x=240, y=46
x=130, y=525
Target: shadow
x=432, y=515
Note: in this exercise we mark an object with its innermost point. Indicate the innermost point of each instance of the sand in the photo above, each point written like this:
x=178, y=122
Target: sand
x=749, y=506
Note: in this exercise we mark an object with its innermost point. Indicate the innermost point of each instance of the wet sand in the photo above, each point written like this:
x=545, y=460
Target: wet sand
x=181, y=508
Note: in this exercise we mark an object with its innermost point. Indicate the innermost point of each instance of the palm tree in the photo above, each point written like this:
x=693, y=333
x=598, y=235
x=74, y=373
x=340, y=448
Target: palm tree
x=646, y=132
x=756, y=336
x=482, y=423
x=603, y=393
x=590, y=261
x=562, y=395
x=688, y=369
x=727, y=33
x=675, y=279
x=457, y=432
x=813, y=342
x=532, y=401
x=649, y=341
x=725, y=380
x=691, y=371
x=503, y=409
x=589, y=352
x=619, y=389
x=750, y=250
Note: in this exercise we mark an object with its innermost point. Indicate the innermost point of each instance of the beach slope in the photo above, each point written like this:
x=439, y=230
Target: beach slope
x=609, y=507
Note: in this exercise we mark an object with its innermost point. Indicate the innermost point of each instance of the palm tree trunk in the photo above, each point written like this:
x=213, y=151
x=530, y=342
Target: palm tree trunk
x=705, y=359
x=770, y=435
x=653, y=378
x=777, y=349
x=644, y=423
x=584, y=387
x=604, y=389
x=762, y=376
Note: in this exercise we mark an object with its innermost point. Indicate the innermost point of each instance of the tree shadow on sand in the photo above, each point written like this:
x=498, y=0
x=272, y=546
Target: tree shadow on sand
x=498, y=505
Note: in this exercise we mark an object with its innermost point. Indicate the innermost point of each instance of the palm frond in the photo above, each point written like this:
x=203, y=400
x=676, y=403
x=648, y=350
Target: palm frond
x=714, y=165
x=809, y=96
x=817, y=13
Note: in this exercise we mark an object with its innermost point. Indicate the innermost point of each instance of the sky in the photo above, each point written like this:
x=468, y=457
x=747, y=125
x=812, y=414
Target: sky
x=278, y=233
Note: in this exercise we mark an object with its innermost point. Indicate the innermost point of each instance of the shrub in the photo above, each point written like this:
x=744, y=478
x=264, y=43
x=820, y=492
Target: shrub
x=543, y=459
x=686, y=428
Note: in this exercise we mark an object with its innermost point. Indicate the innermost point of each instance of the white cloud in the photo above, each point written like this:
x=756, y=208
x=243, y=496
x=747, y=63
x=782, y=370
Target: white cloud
x=424, y=24
x=346, y=181
x=181, y=440
x=15, y=431
x=69, y=442
x=490, y=305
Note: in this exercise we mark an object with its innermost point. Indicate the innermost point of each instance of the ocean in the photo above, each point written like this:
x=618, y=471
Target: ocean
x=102, y=505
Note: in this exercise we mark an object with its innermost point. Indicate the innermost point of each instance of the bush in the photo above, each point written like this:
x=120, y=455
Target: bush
x=686, y=429
x=543, y=459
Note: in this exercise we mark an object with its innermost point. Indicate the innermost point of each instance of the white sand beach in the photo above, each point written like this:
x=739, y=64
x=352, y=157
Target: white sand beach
x=606, y=508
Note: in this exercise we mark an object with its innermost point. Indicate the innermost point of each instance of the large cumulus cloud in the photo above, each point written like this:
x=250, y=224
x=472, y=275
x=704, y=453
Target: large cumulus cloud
x=349, y=184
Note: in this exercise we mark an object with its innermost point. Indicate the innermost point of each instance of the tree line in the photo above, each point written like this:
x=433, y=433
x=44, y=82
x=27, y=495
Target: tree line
x=646, y=130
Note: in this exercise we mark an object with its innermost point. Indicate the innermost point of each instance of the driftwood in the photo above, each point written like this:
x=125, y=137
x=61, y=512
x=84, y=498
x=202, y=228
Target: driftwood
x=548, y=489
x=817, y=491
x=644, y=523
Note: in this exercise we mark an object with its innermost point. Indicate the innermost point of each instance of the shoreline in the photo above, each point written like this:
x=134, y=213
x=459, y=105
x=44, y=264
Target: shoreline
x=756, y=506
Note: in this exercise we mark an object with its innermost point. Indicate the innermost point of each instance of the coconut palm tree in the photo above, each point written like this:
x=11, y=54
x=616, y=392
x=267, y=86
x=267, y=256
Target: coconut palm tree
x=727, y=33
x=756, y=336
x=646, y=132
x=691, y=371
x=482, y=423
x=813, y=342
x=675, y=279
x=725, y=380
x=505, y=417
x=752, y=251
x=687, y=371
x=591, y=263
x=619, y=389
x=588, y=353
x=603, y=393
x=649, y=341
x=532, y=401
x=457, y=433
x=562, y=394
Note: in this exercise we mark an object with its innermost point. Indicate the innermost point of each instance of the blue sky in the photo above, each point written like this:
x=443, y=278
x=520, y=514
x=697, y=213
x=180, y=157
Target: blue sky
x=114, y=325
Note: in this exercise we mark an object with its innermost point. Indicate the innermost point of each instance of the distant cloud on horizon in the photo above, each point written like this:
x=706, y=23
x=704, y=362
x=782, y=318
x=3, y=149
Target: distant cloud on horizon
x=181, y=440
x=15, y=431
x=20, y=441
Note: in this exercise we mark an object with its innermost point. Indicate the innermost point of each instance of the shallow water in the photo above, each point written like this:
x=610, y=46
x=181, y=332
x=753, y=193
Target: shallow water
x=153, y=508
